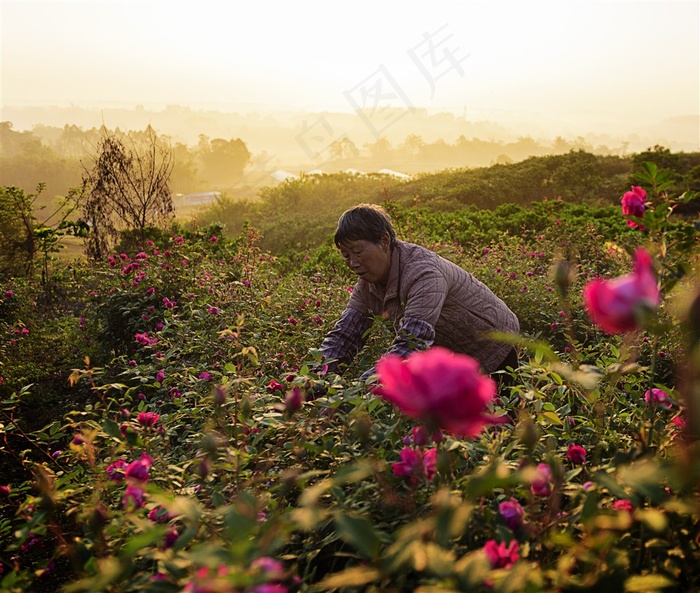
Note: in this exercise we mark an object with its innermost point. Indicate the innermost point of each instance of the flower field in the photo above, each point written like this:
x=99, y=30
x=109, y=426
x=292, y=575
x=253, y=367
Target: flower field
x=167, y=424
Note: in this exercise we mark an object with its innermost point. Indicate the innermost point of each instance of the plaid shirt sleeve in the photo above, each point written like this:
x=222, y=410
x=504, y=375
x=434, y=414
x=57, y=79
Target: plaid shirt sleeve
x=414, y=334
x=346, y=338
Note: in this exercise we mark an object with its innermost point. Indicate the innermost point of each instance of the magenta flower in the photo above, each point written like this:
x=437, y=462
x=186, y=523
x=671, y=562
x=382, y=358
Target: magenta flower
x=512, y=512
x=147, y=418
x=634, y=204
x=659, y=397
x=576, y=454
x=160, y=515
x=160, y=376
x=270, y=588
x=500, y=555
x=293, y=400
x=441, y=388
x=133, y=498
x=5, y=491
x=273, y=386
x=613, y=304
x=623, y=505
x=115, y=471
x=416, y=464
x=541, y=483
x=678, y=422
x=138, y=470
x=213, y=310
x=273, y=569
x=170, y=538
x=420, y=436
x=204, y=376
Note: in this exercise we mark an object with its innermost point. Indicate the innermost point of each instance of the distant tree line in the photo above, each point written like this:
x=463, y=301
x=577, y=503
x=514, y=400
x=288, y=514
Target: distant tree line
x=56, y=157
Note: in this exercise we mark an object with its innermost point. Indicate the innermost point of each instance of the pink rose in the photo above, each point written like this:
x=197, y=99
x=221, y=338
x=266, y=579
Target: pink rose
x=293, y=400
x=273, y=386
x=512, y=512
x=115, y=471
x=273, y=569
x=138, y=470
x=270, y=588
x=634, y=204
x=133, y=498
x=170, y=538
x=659, y=397
x=147, y=418
x=441, y=388
x=500, y=555
x=623, y=505
x=541, y=484
x=416, y=464
x=678, y=422
x=420, y=436
x=576, y=454
x=613, y=304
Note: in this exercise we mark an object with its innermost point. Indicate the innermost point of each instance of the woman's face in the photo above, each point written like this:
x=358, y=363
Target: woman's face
x=370, y=261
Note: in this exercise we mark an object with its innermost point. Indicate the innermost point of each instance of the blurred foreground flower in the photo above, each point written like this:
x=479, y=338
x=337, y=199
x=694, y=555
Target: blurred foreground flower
x=614, y=305
x=133, y=498
x=440, y=388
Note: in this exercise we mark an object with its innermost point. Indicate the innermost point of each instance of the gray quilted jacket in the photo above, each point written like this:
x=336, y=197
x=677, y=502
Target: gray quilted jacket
x=431, y=301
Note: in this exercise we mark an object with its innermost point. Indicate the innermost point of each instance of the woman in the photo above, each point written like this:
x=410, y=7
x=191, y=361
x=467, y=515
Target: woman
x=430, y=300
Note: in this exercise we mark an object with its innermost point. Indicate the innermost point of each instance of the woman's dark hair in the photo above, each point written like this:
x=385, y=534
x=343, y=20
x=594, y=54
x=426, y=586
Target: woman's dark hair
x=365, y=222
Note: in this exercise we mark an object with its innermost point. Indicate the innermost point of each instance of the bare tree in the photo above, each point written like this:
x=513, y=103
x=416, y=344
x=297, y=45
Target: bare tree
x=128, y=187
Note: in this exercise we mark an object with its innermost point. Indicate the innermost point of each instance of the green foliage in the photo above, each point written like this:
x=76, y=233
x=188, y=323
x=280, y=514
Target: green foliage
x=24, y=238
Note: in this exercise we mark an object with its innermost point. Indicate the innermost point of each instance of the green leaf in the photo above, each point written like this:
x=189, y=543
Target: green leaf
x=551, y=417
x=359, y=532
x=355, y=576
x=648, y=583
x=142, y=540
x=111, y=428
x=354, y=472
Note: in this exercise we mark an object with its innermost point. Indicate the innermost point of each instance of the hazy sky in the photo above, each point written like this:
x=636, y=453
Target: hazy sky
x=564, y=59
